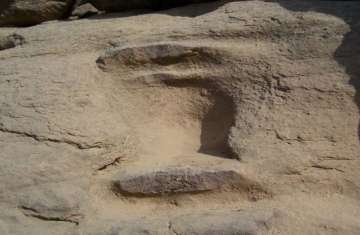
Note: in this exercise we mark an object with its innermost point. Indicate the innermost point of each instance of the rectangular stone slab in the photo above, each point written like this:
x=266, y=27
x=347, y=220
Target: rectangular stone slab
x=173, y=181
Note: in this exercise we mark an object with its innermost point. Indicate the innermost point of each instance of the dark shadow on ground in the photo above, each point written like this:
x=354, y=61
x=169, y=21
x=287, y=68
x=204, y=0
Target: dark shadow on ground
x=216, y=125
x=348, y=53
x=189, y=10
x=194, y=10
x=5, y=4
x=112, y=15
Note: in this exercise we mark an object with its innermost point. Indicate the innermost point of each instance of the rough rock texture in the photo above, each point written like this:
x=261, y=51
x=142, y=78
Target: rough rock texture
x=84, y=10
x=219, y=222
x=10, y=41
x=269, y=90
x=30, y=12
x=200, y=223
x=178, y=180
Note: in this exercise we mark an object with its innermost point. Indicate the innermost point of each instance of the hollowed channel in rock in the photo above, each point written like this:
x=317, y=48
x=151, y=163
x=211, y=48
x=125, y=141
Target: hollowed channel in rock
x=185, y=117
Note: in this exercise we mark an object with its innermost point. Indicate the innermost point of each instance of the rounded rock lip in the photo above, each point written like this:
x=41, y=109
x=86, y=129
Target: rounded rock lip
x=180, y=180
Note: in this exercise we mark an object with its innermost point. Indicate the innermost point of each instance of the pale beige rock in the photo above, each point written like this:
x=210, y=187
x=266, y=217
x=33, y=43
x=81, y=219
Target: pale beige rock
x=222, y=222
x=215, y=222
x=266, y=89
x=84, y=10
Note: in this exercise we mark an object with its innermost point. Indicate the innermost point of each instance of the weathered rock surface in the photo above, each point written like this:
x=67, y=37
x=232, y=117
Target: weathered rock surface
x=84, y=10
x=30, y=12
x=142, y=226
x=13, y=221
x=10, y=41
x=269, y=90
x=251, y=222
x=219, y=222
x=53, y=202
x=180, y=180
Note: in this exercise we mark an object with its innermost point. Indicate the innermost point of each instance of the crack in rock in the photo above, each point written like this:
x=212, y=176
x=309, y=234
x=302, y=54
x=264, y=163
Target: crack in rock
x=31, y=212
x=322, y=167
x=38, y=138
x=114, y=162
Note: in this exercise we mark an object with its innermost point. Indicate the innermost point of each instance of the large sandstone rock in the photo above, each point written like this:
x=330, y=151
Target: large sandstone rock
x=247, y=91
x=30, y=12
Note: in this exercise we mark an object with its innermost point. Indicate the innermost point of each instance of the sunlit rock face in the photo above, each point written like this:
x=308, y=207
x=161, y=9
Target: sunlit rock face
x=213, y=118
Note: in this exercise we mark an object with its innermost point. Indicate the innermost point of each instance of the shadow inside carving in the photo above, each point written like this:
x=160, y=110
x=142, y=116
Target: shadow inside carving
x=216, y=121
